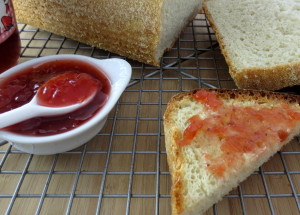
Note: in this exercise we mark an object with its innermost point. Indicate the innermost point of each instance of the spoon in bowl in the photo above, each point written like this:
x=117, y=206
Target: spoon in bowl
x=60, y=95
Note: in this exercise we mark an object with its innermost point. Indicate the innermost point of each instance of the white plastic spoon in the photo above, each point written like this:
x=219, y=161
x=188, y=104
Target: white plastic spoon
x=35, y=109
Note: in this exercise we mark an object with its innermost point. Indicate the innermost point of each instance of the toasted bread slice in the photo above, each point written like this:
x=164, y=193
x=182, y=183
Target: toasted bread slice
x=216, y=138
x=260, y=40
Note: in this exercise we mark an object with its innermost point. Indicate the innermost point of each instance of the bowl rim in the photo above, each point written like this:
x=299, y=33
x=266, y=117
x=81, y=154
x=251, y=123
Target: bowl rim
x=116, y=90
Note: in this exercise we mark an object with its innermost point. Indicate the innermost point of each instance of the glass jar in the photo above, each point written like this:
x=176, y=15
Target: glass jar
x=10, y=44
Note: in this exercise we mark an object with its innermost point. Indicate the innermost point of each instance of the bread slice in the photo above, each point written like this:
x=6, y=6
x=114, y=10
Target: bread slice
x=139, y=29
x=259, y=39
x=216, y=138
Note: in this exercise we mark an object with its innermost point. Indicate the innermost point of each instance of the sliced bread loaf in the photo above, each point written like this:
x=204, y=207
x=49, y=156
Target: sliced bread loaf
x=259, y=39
x=139, y=29
x=216, y=138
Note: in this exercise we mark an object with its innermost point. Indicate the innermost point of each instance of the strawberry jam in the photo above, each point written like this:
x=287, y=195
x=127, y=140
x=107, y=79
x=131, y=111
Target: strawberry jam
x=19, y=89
x=208, y=98
x=67, y=89
x=238, y=130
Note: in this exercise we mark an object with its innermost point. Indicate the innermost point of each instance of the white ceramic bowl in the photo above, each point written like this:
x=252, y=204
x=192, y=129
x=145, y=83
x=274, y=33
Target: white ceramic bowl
x=118, y=71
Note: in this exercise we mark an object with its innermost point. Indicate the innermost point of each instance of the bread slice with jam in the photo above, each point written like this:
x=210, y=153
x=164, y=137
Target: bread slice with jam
x=216, y=138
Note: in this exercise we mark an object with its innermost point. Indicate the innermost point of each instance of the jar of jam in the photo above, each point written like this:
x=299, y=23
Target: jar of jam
x=10, y=44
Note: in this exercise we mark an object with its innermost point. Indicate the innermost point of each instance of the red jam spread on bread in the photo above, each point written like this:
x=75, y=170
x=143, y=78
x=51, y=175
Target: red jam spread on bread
x=208, y=99
x=19, y=89
x=67, y=89
x=238, y=129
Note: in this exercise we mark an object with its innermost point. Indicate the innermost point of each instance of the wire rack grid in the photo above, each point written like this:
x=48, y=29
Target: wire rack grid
x=123, y=170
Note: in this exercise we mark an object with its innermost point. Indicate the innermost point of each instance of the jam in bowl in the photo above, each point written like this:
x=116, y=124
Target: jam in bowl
x=55, y=134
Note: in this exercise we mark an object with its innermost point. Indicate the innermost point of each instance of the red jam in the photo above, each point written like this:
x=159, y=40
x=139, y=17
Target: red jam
x=208, y=98
x=67, y=89
x=190, y=132
x=239, y=130
x=19, y=90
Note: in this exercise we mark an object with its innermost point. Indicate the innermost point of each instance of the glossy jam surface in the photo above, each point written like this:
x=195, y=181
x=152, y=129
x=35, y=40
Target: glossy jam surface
x=67, y=89
x=238, y=129
x=19, y=90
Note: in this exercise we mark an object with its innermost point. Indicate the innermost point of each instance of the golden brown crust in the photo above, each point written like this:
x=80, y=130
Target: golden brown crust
x=129, y=28
x=99, y=23
x=271, y=78
x=174, y=159
x=176, y=193
x=172, y=133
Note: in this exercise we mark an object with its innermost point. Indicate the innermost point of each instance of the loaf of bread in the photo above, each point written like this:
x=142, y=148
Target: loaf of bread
x=259, y=39
x=139, y=29
x=216, y=138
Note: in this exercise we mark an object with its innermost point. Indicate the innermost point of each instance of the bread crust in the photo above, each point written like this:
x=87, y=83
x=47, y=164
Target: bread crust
x=242, y=95
x=101, y=23
x=269, y=78
x=129, y=28
x=174, y=159
x=273, y=78
x=172, y=133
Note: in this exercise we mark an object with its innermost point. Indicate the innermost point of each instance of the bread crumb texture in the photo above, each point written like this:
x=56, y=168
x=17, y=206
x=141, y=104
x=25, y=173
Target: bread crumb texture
x=259, y=39
x=199, y=187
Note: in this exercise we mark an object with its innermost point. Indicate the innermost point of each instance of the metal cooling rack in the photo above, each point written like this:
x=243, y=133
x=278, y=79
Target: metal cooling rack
x=123, y=170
